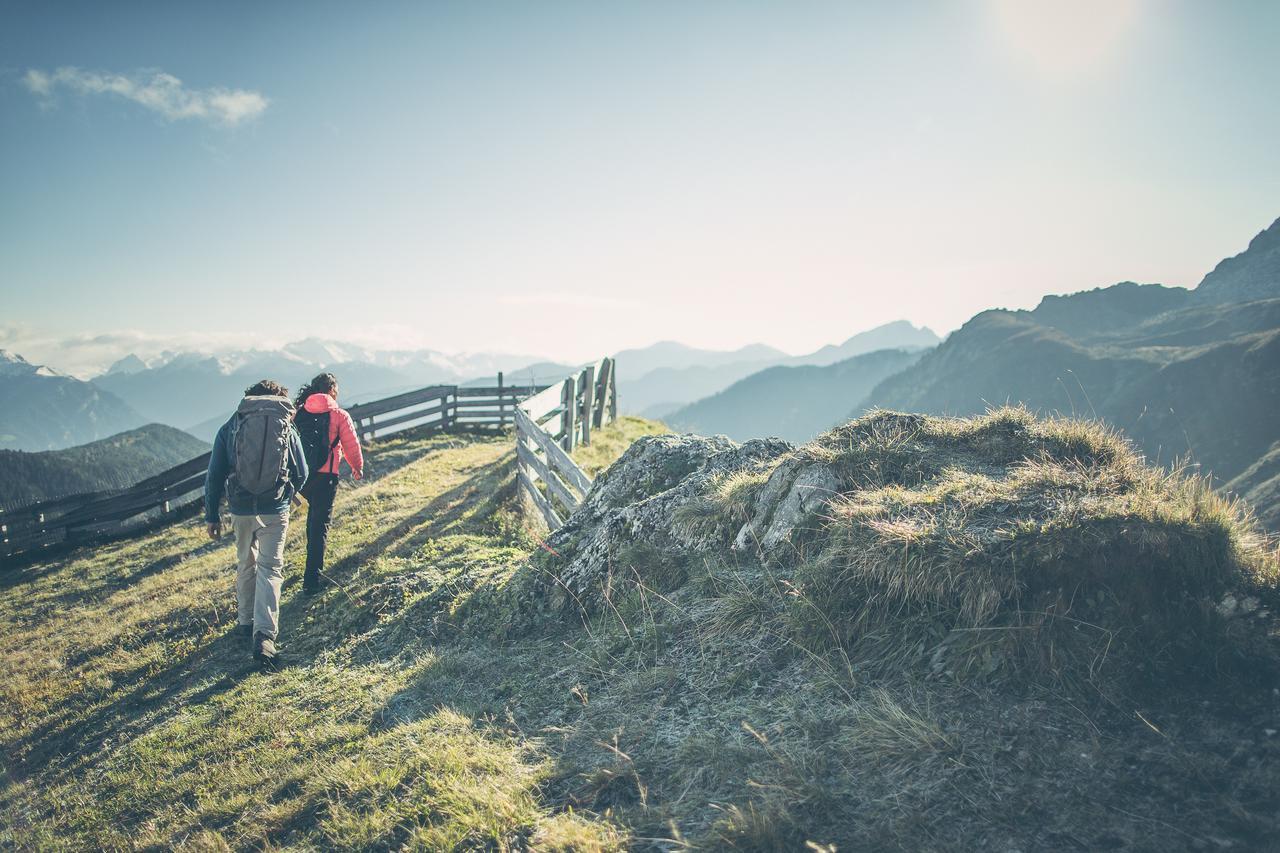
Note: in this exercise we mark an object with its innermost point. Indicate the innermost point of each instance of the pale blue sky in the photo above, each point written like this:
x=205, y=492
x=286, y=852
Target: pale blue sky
x=573, y=178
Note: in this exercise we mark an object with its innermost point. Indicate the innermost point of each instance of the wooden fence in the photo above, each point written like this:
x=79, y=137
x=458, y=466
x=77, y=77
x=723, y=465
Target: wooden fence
x=549, y=425
x=442, y=407
x=29, y=531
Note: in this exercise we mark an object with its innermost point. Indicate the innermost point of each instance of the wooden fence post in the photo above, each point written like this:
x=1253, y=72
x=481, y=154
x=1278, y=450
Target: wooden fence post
x=502, y=413
x=613, y=390
x=569, y=402
x=588, y=401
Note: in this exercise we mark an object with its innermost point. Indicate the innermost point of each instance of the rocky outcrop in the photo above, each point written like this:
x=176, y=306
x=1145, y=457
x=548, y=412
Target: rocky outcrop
x=636, y=500
x=795, y=493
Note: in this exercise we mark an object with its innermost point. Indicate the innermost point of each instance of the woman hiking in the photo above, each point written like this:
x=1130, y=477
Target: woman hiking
x=328, y=436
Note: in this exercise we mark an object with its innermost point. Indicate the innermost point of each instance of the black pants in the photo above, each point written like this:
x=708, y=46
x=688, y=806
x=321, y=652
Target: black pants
x=319, y=491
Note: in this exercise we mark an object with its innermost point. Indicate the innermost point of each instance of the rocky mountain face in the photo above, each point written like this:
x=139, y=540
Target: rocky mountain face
x=1253, y=274
x=1185, y=374
x=40, y=409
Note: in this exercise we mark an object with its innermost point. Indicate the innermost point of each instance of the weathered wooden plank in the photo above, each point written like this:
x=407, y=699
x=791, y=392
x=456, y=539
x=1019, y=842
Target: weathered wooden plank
x=543, y=402
x=588, y=384
x=504, y=391
x=121, y=507
x=540, y=501
x=411, y=416
x=602, y=392
x=528, y=457
x=613, y=390
x=562, y=493
x=556, y=457
x=177, y=473
x=569, y=396
x=487, y=402
x=399, y=401
x=493, y=414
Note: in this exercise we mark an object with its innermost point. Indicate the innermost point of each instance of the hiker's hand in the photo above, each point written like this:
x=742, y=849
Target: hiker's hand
x=215, y=529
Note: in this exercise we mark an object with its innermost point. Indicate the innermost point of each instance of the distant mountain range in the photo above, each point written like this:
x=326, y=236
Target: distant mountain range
x=41, y=409
x=1182, y=373
x=657, y=380
x=1186, y=374
x=110, y=463
x=795, y=403
x=198, y=392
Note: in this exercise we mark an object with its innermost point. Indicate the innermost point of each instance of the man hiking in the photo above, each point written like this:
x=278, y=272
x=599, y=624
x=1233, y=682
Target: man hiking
x=259, y=462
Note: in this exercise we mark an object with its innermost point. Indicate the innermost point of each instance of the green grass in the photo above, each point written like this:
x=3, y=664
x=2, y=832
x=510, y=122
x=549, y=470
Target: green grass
x=132, y=719
x=608, y=444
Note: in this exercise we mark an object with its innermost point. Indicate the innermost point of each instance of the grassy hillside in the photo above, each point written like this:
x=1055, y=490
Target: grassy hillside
x=110, y=463
x=451, y=693
x=131, y=718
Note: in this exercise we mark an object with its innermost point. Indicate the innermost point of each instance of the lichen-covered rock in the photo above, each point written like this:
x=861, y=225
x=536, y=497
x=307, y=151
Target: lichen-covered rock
x=636, y=500
x=795, y=494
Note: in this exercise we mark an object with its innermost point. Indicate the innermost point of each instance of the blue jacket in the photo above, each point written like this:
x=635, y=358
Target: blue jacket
x=239, y=501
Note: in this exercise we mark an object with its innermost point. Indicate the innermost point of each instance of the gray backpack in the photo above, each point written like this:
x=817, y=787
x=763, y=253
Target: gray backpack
x=260, y=445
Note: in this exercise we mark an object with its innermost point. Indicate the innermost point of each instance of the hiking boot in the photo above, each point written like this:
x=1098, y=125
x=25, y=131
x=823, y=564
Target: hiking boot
x=265, y=652
x=313, y=583
x=242, y=632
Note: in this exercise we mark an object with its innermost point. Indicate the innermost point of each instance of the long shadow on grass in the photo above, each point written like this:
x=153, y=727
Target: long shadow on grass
x=79, y=740
x=350, y=607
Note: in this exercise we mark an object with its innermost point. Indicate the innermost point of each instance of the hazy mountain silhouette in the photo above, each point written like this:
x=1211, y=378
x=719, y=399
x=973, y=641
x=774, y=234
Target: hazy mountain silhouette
x=795, y=403
x=899, y=334
x=656, y=380
x=671, y=354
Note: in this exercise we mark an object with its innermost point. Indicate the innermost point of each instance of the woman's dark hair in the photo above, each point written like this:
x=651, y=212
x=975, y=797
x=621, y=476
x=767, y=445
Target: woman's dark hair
x=266, y=388
x=322, y=384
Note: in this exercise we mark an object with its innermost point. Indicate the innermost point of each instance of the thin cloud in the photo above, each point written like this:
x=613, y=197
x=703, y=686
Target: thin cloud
x=156, y=90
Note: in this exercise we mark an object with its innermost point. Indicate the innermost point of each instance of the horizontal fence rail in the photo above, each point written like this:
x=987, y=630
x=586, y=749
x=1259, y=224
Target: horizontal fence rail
x=549, y=425
x=177, y=493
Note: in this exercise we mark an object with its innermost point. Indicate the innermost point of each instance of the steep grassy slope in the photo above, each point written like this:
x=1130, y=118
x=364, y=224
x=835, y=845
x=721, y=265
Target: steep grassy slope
x=111, y=463
x=453, y=693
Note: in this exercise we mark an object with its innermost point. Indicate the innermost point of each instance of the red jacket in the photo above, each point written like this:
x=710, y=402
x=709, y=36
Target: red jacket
x=342, y=430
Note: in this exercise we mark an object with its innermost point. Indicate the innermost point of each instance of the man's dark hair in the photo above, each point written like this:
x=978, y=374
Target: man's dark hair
x=266, y=388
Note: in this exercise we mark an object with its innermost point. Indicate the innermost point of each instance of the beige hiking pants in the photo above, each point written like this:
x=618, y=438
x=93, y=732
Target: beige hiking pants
x=259, y=569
